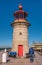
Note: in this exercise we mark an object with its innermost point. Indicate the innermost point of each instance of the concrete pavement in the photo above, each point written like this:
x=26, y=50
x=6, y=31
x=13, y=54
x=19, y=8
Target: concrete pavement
x=38, y=58
x=24, y=61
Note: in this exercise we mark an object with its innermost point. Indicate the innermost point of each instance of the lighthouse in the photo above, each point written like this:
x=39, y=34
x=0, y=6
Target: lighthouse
x=20, y=32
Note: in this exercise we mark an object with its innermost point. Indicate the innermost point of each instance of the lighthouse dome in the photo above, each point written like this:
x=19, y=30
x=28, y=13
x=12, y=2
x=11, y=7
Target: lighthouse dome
x=20, y=14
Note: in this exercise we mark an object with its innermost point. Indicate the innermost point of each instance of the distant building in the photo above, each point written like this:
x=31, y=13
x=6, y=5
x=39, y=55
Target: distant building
x=20, y=32
x=37, y=47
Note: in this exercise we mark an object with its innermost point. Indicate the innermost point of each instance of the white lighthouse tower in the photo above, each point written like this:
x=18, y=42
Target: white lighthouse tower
x=20, y=32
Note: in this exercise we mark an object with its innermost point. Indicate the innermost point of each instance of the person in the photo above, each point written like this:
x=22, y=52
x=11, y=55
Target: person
x=31, y=53
x=4, y=56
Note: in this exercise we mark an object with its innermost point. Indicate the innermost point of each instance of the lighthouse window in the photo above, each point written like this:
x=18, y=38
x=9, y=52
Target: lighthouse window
x=20, y=33
x=21, y=15
x=17, y=16
x=24, y=15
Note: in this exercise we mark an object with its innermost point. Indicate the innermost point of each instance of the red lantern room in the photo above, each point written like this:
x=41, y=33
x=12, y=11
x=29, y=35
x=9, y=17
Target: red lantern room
x=20, y=14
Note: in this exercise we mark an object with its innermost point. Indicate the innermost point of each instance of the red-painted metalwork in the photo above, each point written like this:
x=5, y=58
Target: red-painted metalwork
x=20, y=11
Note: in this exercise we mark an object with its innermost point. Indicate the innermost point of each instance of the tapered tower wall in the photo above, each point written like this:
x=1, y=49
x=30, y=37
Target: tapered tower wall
x=20, y=36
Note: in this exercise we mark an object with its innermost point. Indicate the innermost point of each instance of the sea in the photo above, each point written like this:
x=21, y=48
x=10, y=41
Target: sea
x=4, y=48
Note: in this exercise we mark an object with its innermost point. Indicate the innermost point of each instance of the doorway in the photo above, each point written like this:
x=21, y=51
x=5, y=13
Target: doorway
x=20, y=50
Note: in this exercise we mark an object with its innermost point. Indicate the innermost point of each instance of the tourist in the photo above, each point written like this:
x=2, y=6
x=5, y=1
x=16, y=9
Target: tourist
x=31, y=53
x=4, y=56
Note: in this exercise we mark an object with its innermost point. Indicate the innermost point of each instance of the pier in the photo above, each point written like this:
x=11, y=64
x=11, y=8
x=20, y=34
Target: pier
x=24, y=61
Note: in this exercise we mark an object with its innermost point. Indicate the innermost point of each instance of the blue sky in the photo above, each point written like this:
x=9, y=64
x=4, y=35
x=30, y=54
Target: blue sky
x=34, y=10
